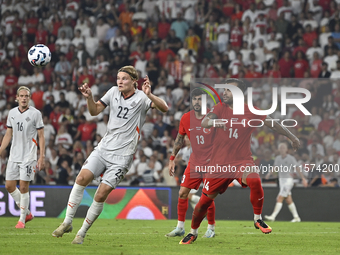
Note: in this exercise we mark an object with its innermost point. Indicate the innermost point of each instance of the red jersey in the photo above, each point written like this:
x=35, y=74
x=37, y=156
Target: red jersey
x=201, y=138
x=300, y=66
x=162, y=55
x=232, y=145
x=236, y=36
x=41, y=36
x=86, y=131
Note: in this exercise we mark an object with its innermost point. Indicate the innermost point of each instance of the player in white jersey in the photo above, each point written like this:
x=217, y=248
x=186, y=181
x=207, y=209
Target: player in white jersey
x=113, y=155
x=287, y=164
x=24, y=124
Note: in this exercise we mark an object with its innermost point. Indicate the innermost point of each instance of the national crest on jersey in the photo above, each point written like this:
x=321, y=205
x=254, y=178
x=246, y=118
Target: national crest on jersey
x=201, y=139
x=127, y=116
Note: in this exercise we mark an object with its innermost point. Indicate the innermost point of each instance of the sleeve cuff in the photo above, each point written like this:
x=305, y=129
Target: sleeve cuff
x=102, y=102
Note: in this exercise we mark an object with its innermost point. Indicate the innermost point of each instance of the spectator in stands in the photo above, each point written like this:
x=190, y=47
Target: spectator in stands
x=64, y=42
x=180, y=26
x=63, y=138
x=101, y=29
x=65, y=28
x=331, y=59
x=10, y=84
x=336, y=73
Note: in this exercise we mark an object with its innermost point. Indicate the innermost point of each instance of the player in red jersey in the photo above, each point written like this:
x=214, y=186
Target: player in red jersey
x=232, y=148
x=201, y=144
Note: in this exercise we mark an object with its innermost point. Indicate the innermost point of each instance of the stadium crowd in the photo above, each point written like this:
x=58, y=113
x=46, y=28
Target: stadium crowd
x=269, y=43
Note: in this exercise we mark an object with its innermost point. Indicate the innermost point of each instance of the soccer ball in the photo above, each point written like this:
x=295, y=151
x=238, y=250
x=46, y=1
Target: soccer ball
x=39, y=55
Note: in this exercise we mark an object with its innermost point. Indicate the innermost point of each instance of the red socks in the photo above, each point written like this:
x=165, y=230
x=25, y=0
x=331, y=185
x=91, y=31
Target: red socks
x=256, y=192
x=182, y=207
x=200, y=211
x=211, y=213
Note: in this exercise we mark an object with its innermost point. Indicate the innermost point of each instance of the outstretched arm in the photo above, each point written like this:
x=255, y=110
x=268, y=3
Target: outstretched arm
x=177, y=146
x=211, y=120
x=208, y=120
x=277, y=127
x=94, y=107
x=157, y=102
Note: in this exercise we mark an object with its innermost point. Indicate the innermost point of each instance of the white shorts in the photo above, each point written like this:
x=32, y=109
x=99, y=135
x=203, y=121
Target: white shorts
x=112, y=172
x=286, y=185
x=21, y=171
x=193, y=191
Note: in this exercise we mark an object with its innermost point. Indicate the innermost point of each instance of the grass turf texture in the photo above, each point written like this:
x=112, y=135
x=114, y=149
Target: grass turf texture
x=147, y=237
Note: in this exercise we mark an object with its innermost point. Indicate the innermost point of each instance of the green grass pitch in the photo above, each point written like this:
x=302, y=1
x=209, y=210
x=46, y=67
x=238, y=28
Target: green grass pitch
x=147, y=237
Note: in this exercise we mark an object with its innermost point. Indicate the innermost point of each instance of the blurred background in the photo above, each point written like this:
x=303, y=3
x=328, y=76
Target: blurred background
x=269, y=43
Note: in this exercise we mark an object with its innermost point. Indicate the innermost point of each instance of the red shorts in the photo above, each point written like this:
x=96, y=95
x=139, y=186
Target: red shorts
x=190, y=183
x=220, y=185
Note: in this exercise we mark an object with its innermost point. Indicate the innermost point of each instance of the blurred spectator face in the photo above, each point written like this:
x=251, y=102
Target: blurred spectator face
x=261, y=44
x=100, y=22
x=293, y=19
x=330, y=40
x=179, y=16
x=315, y=43
x=324, y=67
x=301, y=42
x=325, y=116
x=330, y=51
x=190, y=32
x=155, y=34
x=337, y=27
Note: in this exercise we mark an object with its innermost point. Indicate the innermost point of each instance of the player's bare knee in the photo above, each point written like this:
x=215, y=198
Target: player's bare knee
x=183, y=194
x=9, y=187
x=81, y=180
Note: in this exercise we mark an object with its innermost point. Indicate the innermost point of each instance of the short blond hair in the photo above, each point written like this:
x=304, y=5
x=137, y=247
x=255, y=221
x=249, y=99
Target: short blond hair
x=131, y=71
x=23, y=88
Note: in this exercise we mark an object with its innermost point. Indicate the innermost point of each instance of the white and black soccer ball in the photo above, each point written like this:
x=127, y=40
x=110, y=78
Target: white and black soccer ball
x=39, y=55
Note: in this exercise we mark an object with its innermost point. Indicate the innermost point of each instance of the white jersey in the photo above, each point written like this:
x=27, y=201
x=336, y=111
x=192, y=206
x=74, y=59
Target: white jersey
x=289, y=165
x=127, y=117
x=24, y=126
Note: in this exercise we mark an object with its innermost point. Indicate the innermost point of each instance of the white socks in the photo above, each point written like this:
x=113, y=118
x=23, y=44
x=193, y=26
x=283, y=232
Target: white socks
x=16, y=196
x=74, y=200
x=194, y=231
x=92, y=214
x=277, y=209
x=180, y=224
x=194, y=200
x=24, y=202
x=292, y=209
x=257, y=217
x=212, y=227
